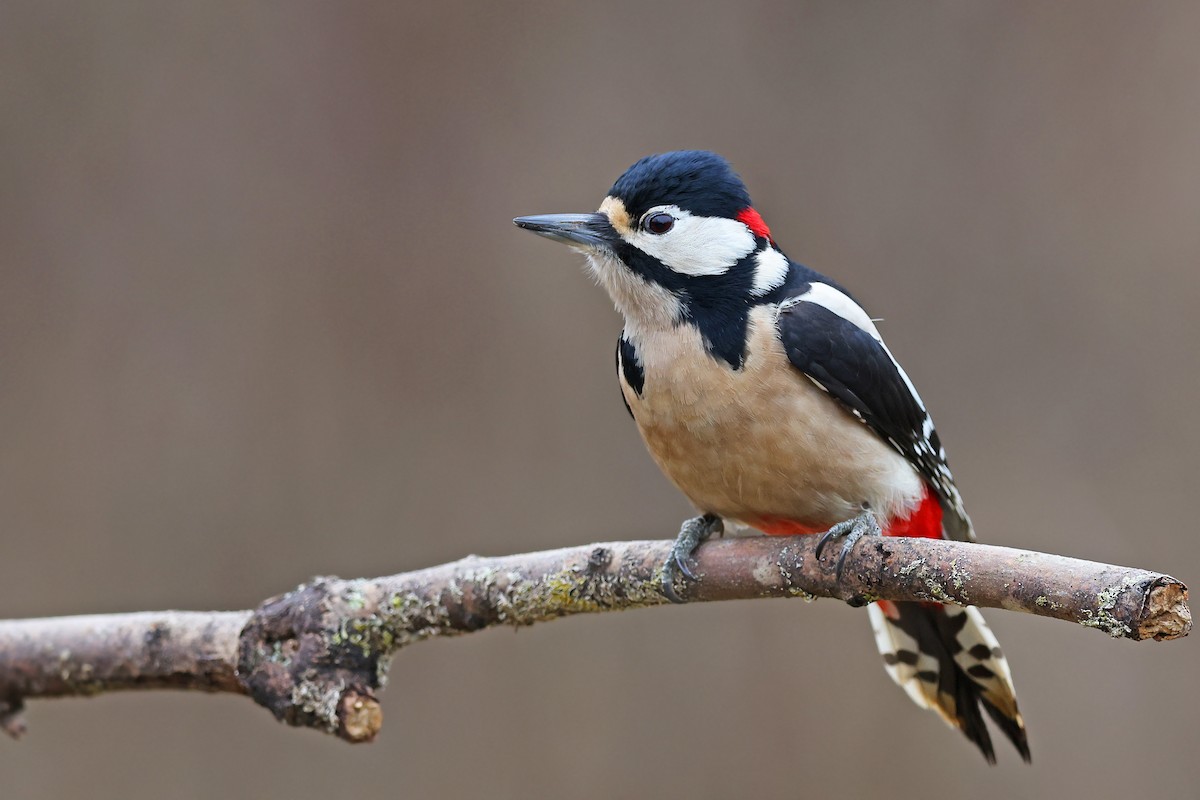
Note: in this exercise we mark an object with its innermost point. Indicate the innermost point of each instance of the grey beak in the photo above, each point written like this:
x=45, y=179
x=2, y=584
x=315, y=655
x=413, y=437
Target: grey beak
x=589, y=230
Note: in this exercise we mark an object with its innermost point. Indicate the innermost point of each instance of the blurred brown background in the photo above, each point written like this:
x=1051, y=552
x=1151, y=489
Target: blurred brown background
x=263, y=315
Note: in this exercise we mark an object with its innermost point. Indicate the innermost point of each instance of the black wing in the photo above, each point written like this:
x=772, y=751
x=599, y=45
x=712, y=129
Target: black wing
x=854, y=366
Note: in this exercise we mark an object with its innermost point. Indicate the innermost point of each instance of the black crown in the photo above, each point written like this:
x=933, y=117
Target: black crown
x=695, y=180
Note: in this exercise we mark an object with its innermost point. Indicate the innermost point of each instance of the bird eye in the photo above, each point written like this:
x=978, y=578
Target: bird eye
x=658, y=223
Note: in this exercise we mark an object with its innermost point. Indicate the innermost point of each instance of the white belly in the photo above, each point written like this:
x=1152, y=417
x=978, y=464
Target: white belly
x=761, y=442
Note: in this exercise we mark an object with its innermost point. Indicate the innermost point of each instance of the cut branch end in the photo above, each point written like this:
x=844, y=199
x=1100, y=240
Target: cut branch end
x=1167, y=615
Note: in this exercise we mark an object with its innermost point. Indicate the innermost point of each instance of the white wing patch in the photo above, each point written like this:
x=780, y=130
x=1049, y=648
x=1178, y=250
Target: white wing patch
x=824, y=295
x=839, y=303
x=695, y=245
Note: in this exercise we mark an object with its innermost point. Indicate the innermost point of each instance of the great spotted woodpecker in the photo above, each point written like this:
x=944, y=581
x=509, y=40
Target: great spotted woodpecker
x=764, y=391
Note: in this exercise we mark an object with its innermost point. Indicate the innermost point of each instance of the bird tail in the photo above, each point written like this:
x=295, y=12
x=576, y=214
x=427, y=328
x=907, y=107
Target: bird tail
x=948, y=660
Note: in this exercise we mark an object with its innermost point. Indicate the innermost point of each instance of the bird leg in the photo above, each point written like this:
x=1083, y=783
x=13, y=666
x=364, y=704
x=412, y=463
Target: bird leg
x=865, y=524
x=691, y=535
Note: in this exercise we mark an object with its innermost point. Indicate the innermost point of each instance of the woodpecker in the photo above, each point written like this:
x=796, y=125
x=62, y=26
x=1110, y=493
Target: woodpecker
x=765, y=393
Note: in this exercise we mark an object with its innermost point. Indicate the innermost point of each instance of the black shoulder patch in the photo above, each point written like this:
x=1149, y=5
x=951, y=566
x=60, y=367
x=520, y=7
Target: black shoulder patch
x=848, y=363
x=631, y=368
x=851, y=365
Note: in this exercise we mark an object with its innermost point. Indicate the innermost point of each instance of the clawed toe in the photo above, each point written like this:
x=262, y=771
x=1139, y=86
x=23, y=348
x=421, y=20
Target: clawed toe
x=851, y=530
x=679, y=561
x=684, y=565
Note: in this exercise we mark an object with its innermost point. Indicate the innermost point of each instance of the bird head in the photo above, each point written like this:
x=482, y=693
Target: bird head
x=675, y=239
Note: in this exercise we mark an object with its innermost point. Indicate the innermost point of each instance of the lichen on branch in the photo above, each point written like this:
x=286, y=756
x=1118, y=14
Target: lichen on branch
x=317, y=656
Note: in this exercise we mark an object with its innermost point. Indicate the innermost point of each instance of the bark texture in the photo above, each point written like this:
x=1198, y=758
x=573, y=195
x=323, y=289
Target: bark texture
x=318, y=655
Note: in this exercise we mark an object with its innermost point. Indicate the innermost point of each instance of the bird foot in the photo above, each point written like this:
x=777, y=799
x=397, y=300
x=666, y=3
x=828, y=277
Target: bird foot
x=865, y=524
x=679, y=560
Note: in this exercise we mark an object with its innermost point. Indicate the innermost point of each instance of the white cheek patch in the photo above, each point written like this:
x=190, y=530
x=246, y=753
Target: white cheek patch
x=770, y=271
x=696, y=245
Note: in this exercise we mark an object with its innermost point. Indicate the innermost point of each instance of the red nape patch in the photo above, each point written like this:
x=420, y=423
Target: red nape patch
x=751, y=219
x=925, y=522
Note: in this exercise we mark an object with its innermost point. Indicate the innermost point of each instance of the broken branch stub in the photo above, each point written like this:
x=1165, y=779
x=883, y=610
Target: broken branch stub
x=316, y=655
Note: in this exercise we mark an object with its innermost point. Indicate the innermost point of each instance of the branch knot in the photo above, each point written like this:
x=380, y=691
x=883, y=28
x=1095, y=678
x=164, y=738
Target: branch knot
x=316, y=655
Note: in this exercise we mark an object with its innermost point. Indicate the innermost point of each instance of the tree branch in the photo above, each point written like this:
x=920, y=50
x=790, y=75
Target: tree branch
x=317, y=655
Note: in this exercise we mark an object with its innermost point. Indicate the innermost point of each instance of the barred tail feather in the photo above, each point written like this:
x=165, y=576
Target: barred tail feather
x=948, y=660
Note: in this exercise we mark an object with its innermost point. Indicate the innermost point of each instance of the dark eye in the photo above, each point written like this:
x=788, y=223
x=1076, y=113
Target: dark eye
x=658, y=223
